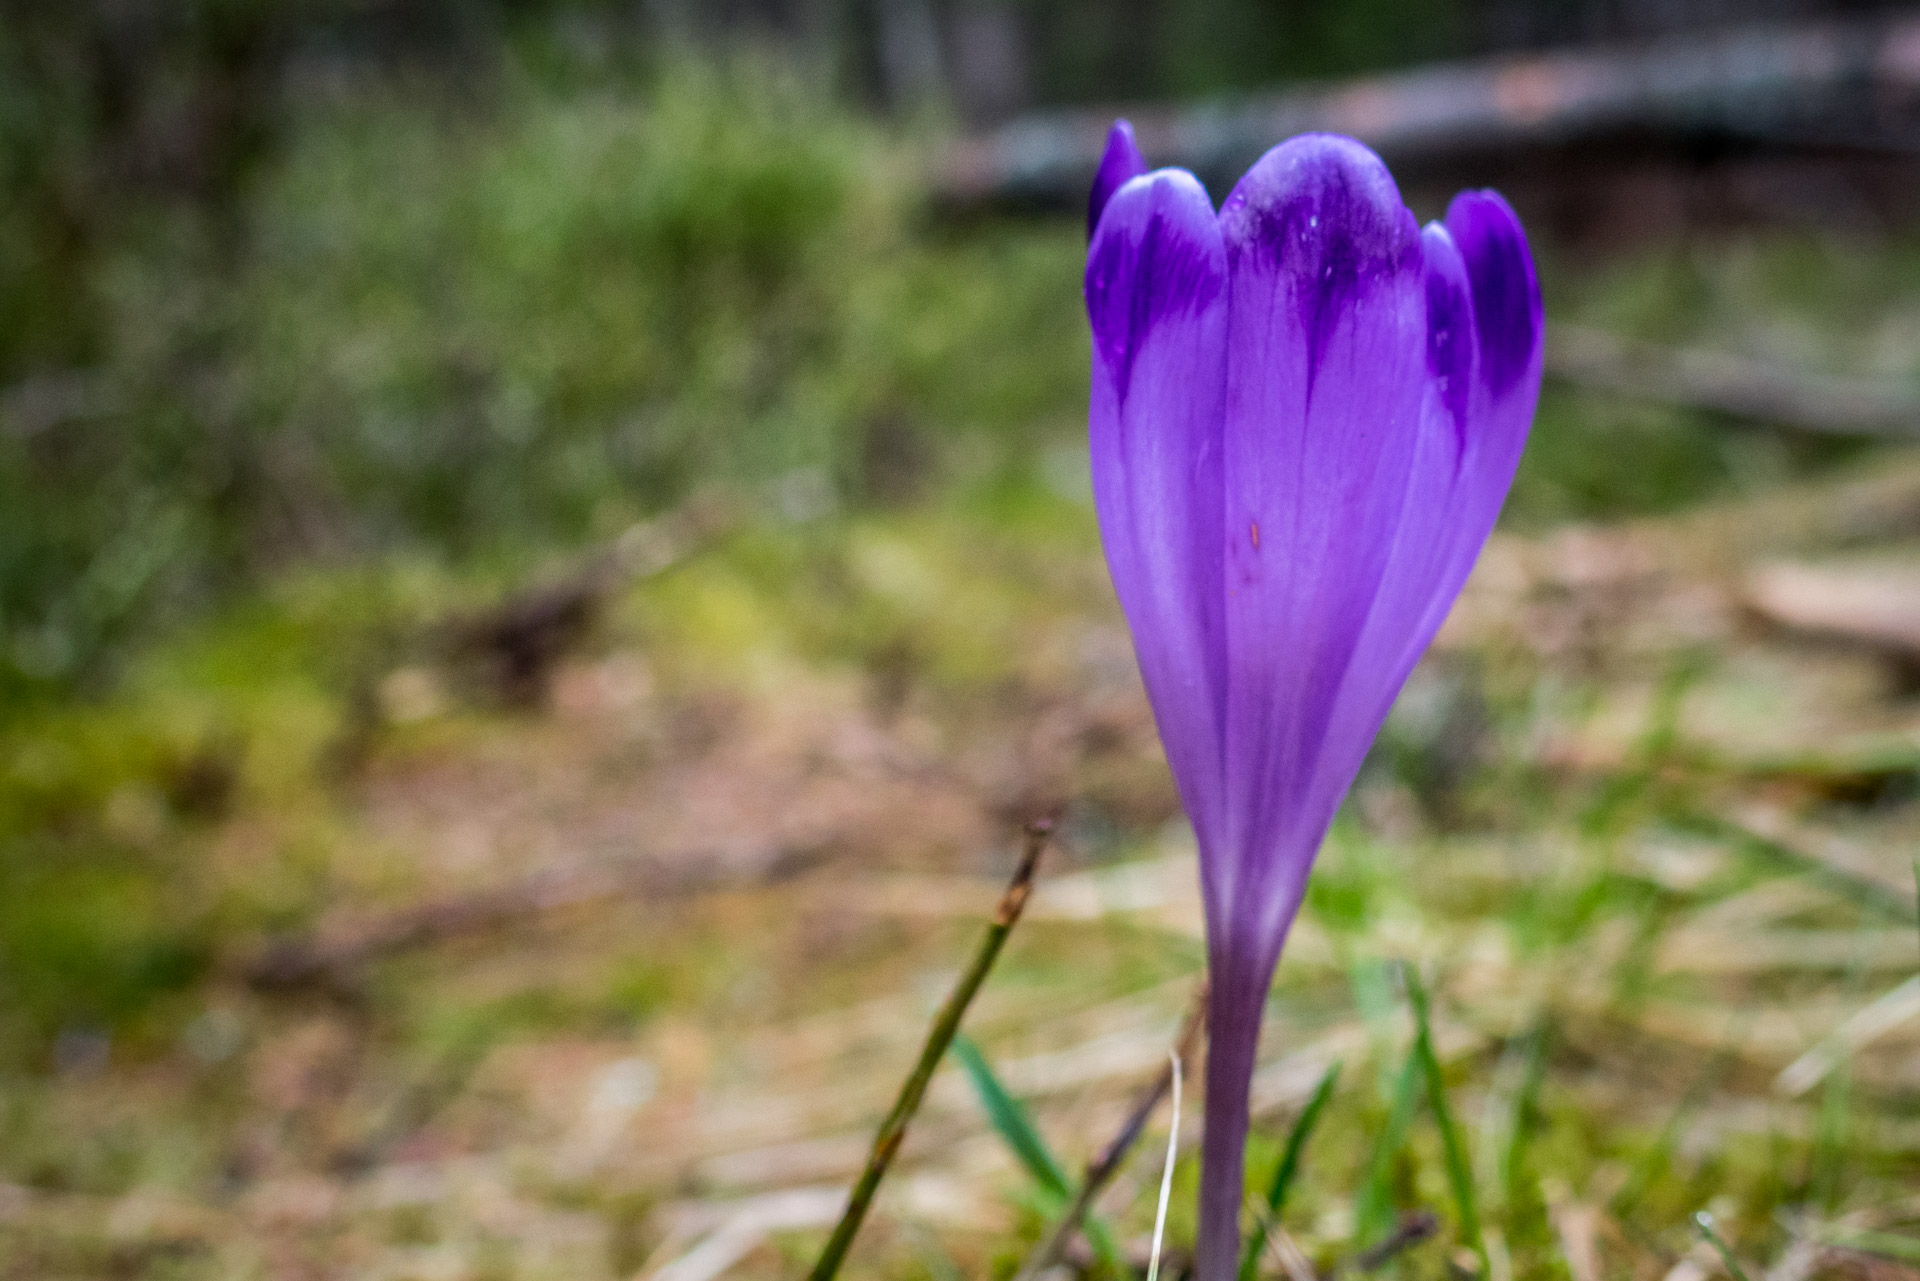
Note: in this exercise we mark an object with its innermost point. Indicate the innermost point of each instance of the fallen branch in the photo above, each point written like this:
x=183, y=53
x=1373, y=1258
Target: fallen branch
x=331, y=958
x=1685, y=84
x=1732, y=385
x=1411, y=1231
x=745, y=1226
x=516, y=643
x=1865, y=607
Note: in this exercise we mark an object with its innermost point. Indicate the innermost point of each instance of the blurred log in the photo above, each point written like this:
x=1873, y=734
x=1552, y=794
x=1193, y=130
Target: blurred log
x=334, y=956
x=1732, y=385
x=1764, y=81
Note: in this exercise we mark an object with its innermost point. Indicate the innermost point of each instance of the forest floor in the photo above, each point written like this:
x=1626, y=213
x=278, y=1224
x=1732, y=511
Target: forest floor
x=616, y=982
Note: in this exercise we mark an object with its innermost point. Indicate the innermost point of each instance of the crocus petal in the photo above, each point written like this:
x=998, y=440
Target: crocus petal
x=1326, y=369
x=1506, y=298
x=1305, y=417
x=1413, y=593
x=1156, y=296
x=1473, y=425
x=1510, y=325
x=1326, y=374
x=1120, y=163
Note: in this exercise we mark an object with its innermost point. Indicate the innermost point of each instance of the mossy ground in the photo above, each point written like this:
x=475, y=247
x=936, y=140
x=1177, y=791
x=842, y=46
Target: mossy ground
x=750, y=832
x=603, y=969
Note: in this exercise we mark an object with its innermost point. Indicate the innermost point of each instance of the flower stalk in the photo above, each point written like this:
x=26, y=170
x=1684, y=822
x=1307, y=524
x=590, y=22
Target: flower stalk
x=1305, y=413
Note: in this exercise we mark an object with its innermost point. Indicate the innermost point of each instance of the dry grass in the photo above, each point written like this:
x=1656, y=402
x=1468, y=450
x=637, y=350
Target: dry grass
x=1653, y=856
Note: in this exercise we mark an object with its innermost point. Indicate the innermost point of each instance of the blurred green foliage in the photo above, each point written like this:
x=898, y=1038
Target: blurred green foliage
x=479, y=332
x=485, y=308
x=437, y=332
x=292, y=373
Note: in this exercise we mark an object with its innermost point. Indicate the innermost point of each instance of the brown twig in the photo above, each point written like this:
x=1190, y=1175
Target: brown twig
x=1411, y=1231
x=515, y=644
x=893, y=1131
x=1102, y=1168
x=333, y=957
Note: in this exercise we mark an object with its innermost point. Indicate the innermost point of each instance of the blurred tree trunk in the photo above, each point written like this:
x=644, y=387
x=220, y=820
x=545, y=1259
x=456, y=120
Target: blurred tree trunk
x=992, y=70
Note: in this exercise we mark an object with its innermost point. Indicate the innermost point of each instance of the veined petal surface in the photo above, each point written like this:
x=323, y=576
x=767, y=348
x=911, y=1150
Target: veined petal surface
x=1326, y=370
x=1506, y=299
x=1412, y=594
x=1156, y=296
x=1510, y=325
x=1484, y=356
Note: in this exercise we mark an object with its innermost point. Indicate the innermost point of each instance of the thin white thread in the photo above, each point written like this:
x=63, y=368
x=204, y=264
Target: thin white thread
x=1166, y=1177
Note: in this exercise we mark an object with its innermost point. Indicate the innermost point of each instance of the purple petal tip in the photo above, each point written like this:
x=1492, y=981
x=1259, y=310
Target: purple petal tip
x=1155, y=257
x=1451, y=345
x=1506, y=293
x=1321, y=212
x=1119, y=163
x=1325, y=193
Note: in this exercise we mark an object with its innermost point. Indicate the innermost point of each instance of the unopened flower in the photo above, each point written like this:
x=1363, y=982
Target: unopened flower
x=1306, y=413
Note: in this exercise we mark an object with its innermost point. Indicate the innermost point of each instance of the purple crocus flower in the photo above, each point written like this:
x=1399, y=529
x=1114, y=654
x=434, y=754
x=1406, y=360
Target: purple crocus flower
x=1306, y=413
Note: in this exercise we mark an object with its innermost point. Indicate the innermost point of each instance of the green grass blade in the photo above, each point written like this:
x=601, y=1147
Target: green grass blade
x=1831, y=1135
x=1016, y=1128
x=1459, y=1169
x=1283, y=1173
x=1526, y=1103
x=1870, y=896
x=1011, y=1121
x=1373, y=1214
x=1703, y=1222
x=1657, y=1155
x=1105, y=1248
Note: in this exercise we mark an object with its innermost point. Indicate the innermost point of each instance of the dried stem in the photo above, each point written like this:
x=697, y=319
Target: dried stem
x=893, y=1131
x=1411, y=1231
x=1102, y=1168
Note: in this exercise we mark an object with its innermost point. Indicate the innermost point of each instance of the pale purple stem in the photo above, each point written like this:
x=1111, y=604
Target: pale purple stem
x=1235, y=1001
